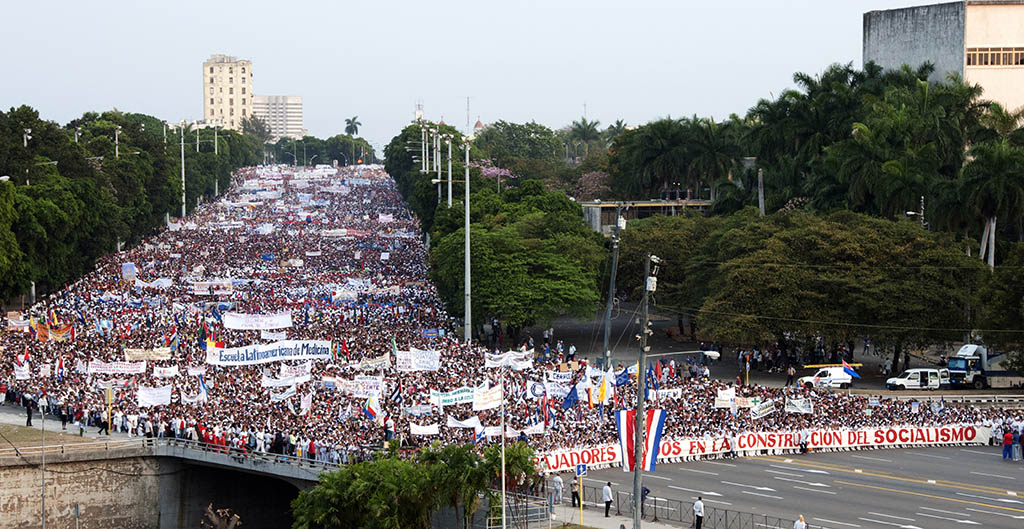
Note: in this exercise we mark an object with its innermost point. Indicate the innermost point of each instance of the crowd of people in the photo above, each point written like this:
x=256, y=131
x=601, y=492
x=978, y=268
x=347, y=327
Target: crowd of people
x=339, y=251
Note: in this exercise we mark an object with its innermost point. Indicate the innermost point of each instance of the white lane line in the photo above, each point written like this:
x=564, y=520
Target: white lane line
x=911, y=452
x=835, y=522
x=704, y=492
x=755, y=487
x=992, y=475
x=1017, y=517
x=762, y=495
x=810, y=470
x=717, y=463
x=891, y=516
x=699, y=471
x=884, y=523
x=813, y=490
x=657, y=477
x=873, y=458
x=808, y=483
x=987, y=498
x=968, y=522
x=784, y=473
x=725, y=502
x=601, y=481
x=942, y=511
x=979, y=452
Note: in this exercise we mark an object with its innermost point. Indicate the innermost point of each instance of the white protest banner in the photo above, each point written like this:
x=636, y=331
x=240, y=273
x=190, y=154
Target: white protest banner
x=268, y=382
x=306, y=403
x=297, y=371
x=472, y=422
x=271, y=352
x=561, y=378
x=723, y=403
x=165, y=372
x=278, y=397
x=799, y=406
x=762, y=409
x=194, y=371
x=726, y=394
x=370, y=364
x=384, y=256
x=430, y=429
x=256, y=322
x=492, y=431
x=672, y=393
x=385, y=218
x=160, y=396
x=417, y=360
x=535, y=390
x=455, y=396
x=747, y=402
x=219, y=287
x=513, y=359
x=116, y=368
x=534, y=429
x=556, y=391
x=158, y=353
x=486, y=399
x=21, y=372
x=274, y=336
x=362, y=386
x=45, y=370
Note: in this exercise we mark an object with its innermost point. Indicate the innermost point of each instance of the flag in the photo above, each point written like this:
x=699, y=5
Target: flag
x=60, y=369
x=651, y=381
x=849, y=370
x=371, y=410
x=203, y=391
x=396, y=395
x=344, y=349
x=571, y=399
x=625, y=422
x=480, y=436
x=27, y=360
x=622, y=378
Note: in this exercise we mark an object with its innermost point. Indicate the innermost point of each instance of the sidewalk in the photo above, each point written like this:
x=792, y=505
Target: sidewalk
x=593, y=516
x=15, y=416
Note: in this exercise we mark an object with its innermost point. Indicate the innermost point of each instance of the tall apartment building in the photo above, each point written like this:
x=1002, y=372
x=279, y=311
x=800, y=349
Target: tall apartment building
x=282, y=114
x=982, y=41
x=227, y=91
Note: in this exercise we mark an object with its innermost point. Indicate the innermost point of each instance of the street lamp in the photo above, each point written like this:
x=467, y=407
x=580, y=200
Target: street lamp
x=117, y=142
x=294, y=161
x=25, y=137
x=448, y=140
x=78, y=132
x=311, y=159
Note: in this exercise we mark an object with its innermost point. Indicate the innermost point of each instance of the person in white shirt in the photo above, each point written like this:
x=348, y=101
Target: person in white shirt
x=557, y=483
x=698, y=512
x=800, y=524
x=606, y=497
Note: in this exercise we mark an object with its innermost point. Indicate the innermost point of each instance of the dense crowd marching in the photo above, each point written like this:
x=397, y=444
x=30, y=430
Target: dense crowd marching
x=276, y=244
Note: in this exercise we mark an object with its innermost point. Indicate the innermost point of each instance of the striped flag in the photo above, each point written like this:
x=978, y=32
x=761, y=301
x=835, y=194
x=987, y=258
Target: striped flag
x=625, y=421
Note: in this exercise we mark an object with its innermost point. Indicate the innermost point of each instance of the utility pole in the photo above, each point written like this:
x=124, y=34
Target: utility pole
x=760, y=189
x=197, y=137
x=449, y=141
x=641, y=415
x=182, y=170
x=215, y=140
x=611, y=290
x=117, y=143
x=468, y=322
x=42, y=455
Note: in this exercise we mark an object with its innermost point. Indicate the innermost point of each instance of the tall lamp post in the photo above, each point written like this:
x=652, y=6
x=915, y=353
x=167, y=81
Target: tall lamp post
x=448, y=140
x=468, y=319
x=117, y=142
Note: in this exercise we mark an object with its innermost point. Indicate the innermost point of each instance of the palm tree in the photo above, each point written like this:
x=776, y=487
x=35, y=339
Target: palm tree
x=586, y=132
x=614, y=131
x=1002, y=121
x=651, y=156
x=352, y=125
x=994, y=184
x=713, y=153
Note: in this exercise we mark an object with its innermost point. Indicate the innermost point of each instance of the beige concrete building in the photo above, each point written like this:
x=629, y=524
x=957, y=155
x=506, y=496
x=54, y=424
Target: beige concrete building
x=982, y=41
x=282, y=114
x=227, y=91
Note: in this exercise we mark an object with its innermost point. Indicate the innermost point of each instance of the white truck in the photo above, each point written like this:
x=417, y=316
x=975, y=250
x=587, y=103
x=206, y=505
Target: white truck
x=920, y=378
x=827, y=377
x=973, y=367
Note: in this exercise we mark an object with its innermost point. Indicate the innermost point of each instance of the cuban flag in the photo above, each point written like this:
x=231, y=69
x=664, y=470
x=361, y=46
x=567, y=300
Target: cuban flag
x=480, y=436
x=849, y=370
x=60, y=369
x=625, y=422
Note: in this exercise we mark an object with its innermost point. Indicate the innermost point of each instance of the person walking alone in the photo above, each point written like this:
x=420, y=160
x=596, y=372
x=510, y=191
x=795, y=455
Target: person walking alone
x=800, y=524
x=606, y=497
x=790, y=371
x=1007, y=443
x=557, y=485
x=698, y=512
x=575, y=487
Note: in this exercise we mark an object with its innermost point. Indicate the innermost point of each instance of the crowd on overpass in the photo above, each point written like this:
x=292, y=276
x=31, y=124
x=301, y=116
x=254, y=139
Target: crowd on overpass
x=334, y=255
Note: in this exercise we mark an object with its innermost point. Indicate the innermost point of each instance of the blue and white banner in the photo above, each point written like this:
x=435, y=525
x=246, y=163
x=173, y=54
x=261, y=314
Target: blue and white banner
x=256, y=322
x=271, y=352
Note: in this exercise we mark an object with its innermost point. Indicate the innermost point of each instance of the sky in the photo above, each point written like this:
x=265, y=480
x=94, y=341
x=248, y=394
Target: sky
x=547, y=61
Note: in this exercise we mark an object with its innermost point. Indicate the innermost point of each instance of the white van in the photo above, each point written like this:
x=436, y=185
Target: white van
x=920, y=378
x=827, y=377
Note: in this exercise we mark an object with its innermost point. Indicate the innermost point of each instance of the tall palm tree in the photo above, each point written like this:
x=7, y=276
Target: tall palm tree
x=994, y=182
x=713, y=153
x=352, y=125
x=1002, y=121
x=586, y=132
x=614, y=131
x=651, y=157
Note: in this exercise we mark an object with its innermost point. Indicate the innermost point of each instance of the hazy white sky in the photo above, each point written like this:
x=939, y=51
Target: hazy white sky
x=518, y=60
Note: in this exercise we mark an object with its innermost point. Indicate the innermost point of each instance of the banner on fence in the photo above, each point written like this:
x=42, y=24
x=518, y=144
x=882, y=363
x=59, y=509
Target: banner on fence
x=160, y=396
x=116, y=368
x=567, y=459
x=271, y=352
x=151, y=355
x=256, y=322
x=417, y=360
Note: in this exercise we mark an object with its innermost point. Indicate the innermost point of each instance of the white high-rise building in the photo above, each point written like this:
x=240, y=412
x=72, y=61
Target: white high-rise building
x=282, y=114
x=227, y=91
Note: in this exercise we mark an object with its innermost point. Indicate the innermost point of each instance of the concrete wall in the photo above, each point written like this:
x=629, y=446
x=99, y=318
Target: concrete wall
x=996, y=26
x=913, y=35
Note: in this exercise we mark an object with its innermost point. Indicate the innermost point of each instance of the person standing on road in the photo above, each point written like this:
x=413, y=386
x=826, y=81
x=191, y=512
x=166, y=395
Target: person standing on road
x=606, y=497
x=575, y=487
x=557, y=485
x=790, y=371
x=800, y=524
x=698, y=512
x=1007, y=440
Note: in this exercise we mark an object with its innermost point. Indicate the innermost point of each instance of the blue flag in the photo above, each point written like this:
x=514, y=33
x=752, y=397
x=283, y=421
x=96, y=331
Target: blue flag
x=621, y=379
x=571, y=399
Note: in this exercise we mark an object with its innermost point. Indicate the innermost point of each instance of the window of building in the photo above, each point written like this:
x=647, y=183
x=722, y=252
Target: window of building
x=243, y=100
x=231, y=90
x=231, y=70
x=231, y=79
x=231, y=101
x=231, y=112
x=211, y=90
x=211, y=100
x=232, y=123
x=243, y=89
x=211, y=112
x=243, y=69
x=211, y=69
x=995, y=56
x=243, y=112
x=211, y=80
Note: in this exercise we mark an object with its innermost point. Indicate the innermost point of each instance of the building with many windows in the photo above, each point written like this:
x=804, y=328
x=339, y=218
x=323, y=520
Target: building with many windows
x=227, y=91
x=282, y=114
x=982, y=41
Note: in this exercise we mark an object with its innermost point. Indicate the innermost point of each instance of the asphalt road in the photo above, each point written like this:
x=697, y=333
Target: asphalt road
x=879, y=489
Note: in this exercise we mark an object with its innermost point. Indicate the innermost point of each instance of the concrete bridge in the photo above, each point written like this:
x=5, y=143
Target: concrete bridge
x=155, y=483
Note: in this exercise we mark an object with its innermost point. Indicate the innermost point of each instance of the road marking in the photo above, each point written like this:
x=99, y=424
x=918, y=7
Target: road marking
x=1002, y=500
x=699, y=471
x=706, y=492
x=923, y=495
x=784, y=473
x=891, y=516
x=813, y=490
x=911, y=452
x=835, y=522
x=942, y=511
x=1015, y=517
x=968, y=522
x=873, y=458
x=762, y=495
x=789, y=461
x=979, y=452
x=903, y=526
x=992, y=475
x=658, y=477
x=755, y=487
x=717, y=463
x=717, y=501
x=859, y=471
x=812, y=484
x=602, y=481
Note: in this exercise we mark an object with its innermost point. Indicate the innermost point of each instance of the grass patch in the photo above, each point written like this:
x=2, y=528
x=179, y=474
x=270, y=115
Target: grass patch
x=24, y=436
